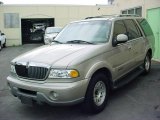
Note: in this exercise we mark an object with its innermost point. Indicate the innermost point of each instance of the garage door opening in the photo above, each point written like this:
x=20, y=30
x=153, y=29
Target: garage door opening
x=33, y=29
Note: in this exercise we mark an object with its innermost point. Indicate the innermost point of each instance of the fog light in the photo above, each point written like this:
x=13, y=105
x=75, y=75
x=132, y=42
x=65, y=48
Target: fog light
x=54, y=95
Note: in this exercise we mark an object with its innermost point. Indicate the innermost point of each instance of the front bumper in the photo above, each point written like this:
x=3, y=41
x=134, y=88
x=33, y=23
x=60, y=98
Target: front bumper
x=50, y=93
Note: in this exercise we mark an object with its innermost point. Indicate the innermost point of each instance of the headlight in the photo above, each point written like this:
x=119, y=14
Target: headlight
x=13, y=68
x=63, y=73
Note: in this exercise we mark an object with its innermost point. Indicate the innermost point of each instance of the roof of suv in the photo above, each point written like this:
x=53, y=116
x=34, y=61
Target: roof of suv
x=111, y=17
x=114, y=16
x=121, y=16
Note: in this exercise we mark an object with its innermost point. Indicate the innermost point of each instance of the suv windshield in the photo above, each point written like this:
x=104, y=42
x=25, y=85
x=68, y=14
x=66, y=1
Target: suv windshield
x=85, y=32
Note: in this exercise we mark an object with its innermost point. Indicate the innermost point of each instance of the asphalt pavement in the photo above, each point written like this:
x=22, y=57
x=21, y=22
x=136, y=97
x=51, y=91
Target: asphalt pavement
x=138, y=100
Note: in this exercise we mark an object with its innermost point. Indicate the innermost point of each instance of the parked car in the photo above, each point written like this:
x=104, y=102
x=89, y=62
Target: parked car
x=38, y=26
x=2, y=40
x=51, y=33
x=89, y=58
x=37, y=36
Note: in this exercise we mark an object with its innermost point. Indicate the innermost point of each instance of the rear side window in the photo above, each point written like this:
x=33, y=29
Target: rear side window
x=132, y=30
x=119, y=28
x=145, y=27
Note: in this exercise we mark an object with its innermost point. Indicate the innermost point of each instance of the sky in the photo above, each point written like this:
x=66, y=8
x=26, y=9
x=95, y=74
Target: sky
x=75, y=2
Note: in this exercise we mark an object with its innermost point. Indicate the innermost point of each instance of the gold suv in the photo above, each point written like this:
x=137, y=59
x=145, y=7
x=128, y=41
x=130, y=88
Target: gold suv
x=84, y=63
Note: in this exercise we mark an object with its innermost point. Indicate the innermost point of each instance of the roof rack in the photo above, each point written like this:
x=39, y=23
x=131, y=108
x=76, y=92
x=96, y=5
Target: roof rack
x=101, y=16
x=129, y=15
x=115, y=15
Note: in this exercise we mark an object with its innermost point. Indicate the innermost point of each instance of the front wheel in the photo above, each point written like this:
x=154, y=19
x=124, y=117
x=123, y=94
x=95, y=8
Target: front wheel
x=97, y=94
x=4, y=45
x=147, y=64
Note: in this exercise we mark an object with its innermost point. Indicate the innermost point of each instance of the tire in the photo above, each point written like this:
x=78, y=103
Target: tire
x=147, y=64
x=0, y=46
x=4, y=45
x=97, y=94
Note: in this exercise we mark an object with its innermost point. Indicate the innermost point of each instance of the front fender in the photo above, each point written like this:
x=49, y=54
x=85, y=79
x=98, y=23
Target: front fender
x=96, y=67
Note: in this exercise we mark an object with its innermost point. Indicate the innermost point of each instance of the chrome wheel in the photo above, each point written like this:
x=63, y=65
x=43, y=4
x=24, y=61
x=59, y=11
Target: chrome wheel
x=99, y=93
x=147, y=63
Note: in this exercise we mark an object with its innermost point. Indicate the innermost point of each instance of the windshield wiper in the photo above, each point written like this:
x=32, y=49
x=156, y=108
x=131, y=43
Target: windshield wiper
x=79, y=41
x=55, y=41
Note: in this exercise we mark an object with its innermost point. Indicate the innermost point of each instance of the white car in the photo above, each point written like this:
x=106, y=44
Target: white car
x=51, y=33
x=38, y=26
x=2, y=40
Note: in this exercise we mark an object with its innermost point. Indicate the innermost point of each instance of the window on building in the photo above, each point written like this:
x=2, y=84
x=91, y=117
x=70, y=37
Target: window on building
x=11, y=20
x=124, y=12
x=110, y=2
x=136, y=10
x=131, y=11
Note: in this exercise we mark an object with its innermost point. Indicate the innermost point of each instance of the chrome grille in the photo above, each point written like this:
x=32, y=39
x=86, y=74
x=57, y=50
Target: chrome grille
x=31, y=72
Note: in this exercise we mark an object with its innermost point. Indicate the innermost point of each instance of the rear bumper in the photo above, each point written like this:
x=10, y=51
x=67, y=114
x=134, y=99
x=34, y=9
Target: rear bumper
x=50, y=93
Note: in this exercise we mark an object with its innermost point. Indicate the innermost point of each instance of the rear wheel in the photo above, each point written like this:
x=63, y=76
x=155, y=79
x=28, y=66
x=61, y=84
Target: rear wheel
x=97, y=94
x=0, y=46
x=147, y=64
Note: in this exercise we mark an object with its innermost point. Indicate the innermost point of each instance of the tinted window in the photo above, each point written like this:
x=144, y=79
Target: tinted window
x=138, y=11
x=119, y=28
x=145, y=27
x=132, y=30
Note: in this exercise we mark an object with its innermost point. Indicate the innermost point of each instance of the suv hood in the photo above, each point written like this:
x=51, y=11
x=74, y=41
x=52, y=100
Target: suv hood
x=52, y=54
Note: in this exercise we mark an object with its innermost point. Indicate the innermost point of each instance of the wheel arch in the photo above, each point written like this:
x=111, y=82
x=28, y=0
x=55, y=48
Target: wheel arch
x=107, y=72
x=100, y=68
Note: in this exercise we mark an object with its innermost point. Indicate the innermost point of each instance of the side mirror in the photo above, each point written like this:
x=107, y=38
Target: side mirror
x=122, y=38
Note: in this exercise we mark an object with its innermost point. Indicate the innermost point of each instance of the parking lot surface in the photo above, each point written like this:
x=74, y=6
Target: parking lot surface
x=138, y=100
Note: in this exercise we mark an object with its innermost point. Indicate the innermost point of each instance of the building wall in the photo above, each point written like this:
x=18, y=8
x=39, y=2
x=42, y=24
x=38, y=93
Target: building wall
x=66, y=13
x=120, y=5
x=62, y=14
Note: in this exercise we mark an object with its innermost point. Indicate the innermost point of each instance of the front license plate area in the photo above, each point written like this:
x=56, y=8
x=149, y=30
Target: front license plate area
x=26, y=100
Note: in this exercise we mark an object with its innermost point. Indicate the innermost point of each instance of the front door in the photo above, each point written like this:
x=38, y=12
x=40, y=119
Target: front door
x=121, y=53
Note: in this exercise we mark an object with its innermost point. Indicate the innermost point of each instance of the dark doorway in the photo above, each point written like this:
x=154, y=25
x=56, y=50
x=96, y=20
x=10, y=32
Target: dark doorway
x=33, y=29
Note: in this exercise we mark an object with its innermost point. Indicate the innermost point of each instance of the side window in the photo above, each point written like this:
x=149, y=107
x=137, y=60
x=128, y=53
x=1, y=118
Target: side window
x=119, y=28
x=139, y=31
x=145, y=27
x=132, y=30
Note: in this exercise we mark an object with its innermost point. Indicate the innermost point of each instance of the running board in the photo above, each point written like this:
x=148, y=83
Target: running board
x=127, y=78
